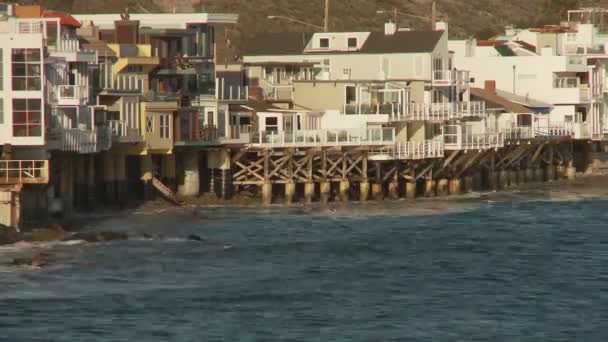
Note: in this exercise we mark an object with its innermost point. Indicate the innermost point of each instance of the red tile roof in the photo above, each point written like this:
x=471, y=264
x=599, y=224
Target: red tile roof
x=65, y=19
x=491, y=42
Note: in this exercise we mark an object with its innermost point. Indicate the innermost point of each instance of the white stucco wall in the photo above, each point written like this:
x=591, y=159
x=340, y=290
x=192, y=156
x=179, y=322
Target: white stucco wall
x=7, y=43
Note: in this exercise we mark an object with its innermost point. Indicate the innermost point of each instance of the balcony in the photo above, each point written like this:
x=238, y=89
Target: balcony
x=122, y=83
x=69, y=48
x=14, y=172
x=513, y=134
x=85, y=141
x=441, y=111
x=393, y=109
x=443, y=77
x=70, y=95
x=411, y=150
x=122, y=133
x=454, y=139
x=231, y=93
x=276, y=92
x=325, y=137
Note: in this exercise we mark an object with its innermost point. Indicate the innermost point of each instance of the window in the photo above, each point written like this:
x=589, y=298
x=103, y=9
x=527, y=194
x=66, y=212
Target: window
x=26, y=69
x=165, y=126
x=150, y=124
x=324, y=43
x=346, y=72
x=352, y=43
x=134, y=69
x=272, y=124
x=351, y=94
x=27, y=118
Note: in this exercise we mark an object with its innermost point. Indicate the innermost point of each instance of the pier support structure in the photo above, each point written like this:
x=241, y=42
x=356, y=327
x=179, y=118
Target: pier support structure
x=190, y=185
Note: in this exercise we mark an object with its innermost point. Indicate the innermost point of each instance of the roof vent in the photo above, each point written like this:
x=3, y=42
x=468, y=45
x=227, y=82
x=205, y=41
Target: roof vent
x=390, y=29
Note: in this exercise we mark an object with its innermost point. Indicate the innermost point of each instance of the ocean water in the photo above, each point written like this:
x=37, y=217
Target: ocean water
x=501, y=267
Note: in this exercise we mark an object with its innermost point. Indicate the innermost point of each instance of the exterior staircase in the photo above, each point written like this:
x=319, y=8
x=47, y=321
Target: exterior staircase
x=165, y=191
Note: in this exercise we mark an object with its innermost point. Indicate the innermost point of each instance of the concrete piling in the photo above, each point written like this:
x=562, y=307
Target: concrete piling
x=429, y=188
x=309, y=193
x=146, y=167
x=442, y=187
x=393, y=190
x=344, y=190
x=267, y=193
x=120, y=172
x=191, y=181
x=454, y=186
x=290, y=191
x=324, y=191
x=410, y=190
x=364, y=191
x=550, y=173
x=109, y=180
x=377, y=194
x=570, y=171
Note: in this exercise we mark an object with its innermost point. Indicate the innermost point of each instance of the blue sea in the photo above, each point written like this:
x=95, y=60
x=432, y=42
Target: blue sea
x=495, y=267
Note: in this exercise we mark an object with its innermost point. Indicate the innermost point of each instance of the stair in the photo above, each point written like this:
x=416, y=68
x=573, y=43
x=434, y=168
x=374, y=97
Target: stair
x=165, y=191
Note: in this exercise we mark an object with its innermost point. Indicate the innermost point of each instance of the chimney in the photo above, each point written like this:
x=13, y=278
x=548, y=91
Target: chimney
x=490, y=86
x=390, y=29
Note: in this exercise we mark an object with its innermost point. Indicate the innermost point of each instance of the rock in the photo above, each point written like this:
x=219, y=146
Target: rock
x=193, y=237
x=8, y=235
x=45, y=235
x=93, y=237
x=38, y=260
x=152, y=236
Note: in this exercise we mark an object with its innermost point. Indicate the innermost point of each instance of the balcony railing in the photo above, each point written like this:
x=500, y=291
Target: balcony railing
x=120, y=82
x=281, y=93
x=483, y=141
x=553, y=129
x=326, y=137
x=443, y=77
x=411, y=150
x=24, y=171
x=240, y=132
x=393, y=109
x=68, y=45
x=518, y=133
x=69, y=95
x=440, y=111
x=122, y=133
x=232, y=93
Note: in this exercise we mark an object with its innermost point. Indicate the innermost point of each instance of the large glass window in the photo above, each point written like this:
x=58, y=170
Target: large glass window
x=27, y=117
x=26, y=69
x=164, y=126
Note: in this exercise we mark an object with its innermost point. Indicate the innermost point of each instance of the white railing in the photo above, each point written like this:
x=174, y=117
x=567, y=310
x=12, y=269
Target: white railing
x=127, y=82
x=232, y=93
x=463, y=78
x=122, y=132
x=24, y=171
x=68, y=45
x=393, y=109
x=278, y=92
x=326, y=137
x=543, y=127
x=428, y=149
x=518, y=133
x=79, y=141
x=25, y=26
x=443, y=76
x=238, y=131
x=483, y=141
x=440, y=111
x=585, y=94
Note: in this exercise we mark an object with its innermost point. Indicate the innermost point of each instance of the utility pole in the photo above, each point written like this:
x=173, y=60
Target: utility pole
x=326, y=23
x=433, y=14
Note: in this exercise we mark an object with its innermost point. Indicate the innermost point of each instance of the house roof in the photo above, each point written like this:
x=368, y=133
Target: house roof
x=294, y=43
x=494, y=98
x=284, y=43
x=65, y=19
x=523, y=100
x=402, y=42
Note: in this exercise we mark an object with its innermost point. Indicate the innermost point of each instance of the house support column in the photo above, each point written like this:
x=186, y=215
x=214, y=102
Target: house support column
x=493, y=180
x=290, y=192
x=108, y=177
x=120, y=172
x=467, y=185
x=560, y=171
x=503, y=179
x=67, y=184
x=168, y=170
x=393, y=189
x=454, y=186
x=267, y=193
x=146, y=166
x=91, y=188
x=309, y=192
x=571, y=171
x=538, y=175
x=429, y=188
x=81, y=189
x=550, y=172
x=191, y=184
x=324, y=190
x=521, y=176
x=529, y=175
x=410, y=190
x=364, y=191
x=442, y=187
x=344, y=190
x=377, y=194
x=513, y=178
